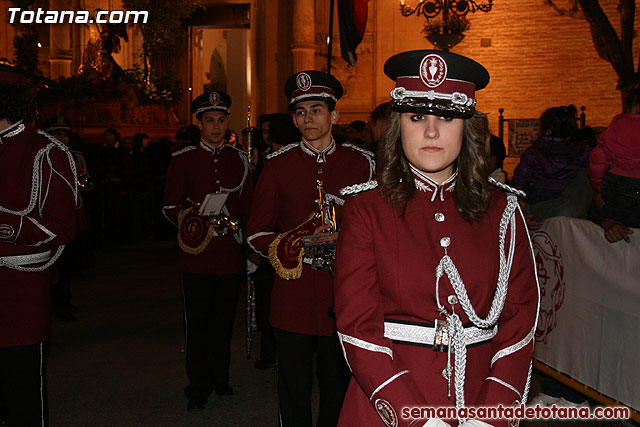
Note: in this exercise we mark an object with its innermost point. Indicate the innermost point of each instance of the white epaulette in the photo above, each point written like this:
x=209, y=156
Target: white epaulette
x=236, y=148
x=283, y=150
x=53, y=139
x=367, y=155
x=507, y=188
x=184, y=150
x=358, y=188
x=356, y=148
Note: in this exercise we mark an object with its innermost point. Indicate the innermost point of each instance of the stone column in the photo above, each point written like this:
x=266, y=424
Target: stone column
x=60, y=54
x=303, y=47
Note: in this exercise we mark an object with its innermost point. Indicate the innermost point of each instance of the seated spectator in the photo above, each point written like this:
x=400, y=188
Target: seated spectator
x=615, y=172
x=555, y=162
x=497, y=153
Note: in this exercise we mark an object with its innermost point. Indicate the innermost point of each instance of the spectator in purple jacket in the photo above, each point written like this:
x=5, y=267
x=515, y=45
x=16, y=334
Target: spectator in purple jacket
x=552, y=170
x=615, y=172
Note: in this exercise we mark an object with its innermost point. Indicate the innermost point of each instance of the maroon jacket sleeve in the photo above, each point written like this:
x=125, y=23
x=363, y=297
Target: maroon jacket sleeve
x=52, y=221
x=261, y=229
x=175, y=191
x=360, y=319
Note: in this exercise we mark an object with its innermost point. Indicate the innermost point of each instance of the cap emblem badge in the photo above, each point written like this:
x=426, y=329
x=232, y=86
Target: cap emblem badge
x=433, y=70
x=214, y=98
x=61, y=121
x=303, y=80
x=6, y=231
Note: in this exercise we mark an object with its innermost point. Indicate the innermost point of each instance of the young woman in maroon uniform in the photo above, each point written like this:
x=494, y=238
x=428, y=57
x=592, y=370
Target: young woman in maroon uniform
x=424, y=262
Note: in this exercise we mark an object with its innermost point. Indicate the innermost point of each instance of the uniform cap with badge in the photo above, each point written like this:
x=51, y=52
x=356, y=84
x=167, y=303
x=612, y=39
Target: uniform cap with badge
x=312, y=85
x=211, y=101
x=55, y=124
x=435, y=82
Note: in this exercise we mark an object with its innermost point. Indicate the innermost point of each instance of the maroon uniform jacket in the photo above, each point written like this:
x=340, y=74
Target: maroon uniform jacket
x=38, y=195
x=195, y=172
x=385, y=279
x=285, y=197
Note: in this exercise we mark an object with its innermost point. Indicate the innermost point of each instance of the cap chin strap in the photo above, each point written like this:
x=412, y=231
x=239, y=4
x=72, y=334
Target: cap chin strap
x=422, y=105
x=456, y=98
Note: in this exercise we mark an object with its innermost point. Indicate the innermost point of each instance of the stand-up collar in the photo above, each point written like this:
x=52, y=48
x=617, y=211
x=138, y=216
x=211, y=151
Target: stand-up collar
x=12, y=130
x=213, y=149
x=426, y=184
x=320, y=155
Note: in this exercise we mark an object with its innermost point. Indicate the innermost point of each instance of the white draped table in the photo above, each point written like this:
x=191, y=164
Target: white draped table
x=589, y=324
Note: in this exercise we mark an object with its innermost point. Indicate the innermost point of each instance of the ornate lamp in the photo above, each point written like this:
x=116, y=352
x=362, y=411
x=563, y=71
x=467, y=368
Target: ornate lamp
x=452, y=11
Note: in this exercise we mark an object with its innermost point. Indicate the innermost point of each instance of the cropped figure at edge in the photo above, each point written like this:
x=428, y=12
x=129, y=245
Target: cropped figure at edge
x=427, y=253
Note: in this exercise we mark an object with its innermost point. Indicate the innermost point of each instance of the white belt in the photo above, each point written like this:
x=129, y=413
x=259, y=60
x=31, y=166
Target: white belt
x=26, y=259
x=419, y=334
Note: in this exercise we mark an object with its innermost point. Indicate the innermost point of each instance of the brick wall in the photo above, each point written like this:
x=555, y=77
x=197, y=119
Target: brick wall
x=537, y=59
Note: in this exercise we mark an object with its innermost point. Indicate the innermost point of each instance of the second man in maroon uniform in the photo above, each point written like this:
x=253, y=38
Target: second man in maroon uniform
x=286, y=196
x=212, y=269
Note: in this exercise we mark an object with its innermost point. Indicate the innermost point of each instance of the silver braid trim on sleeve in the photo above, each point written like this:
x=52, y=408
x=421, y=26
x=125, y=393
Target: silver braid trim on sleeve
x=386, y=383
x=358, y=188
x=515, y=347
x=365, y=345
x=506, y=384
x=42, y=267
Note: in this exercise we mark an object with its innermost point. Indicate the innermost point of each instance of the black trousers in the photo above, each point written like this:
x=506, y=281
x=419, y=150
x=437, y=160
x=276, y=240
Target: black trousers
x=23, y=386
x=263, y=283
x=210, y=305
x=295, y=378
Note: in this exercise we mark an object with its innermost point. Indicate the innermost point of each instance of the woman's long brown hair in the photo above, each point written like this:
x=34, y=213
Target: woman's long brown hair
x=471, y=193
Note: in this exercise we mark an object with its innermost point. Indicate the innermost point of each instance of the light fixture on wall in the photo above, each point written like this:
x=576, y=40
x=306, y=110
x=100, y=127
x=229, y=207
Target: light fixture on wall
x=433, y=8
x=446, y=32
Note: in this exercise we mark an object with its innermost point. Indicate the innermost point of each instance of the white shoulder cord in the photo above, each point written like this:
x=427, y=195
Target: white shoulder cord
x=36, y=196
x=456, y=329
x=245, y=163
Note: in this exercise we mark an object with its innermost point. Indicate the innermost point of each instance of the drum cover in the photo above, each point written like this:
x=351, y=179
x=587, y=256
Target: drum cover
x=287, y=250
x=194, y=231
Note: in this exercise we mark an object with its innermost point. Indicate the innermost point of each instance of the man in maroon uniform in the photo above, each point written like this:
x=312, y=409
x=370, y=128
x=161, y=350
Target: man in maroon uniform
x=212, y=263
x=38, y=194
x=286, y=196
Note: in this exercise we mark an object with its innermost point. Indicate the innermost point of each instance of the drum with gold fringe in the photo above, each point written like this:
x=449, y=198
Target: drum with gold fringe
x=194, y=231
